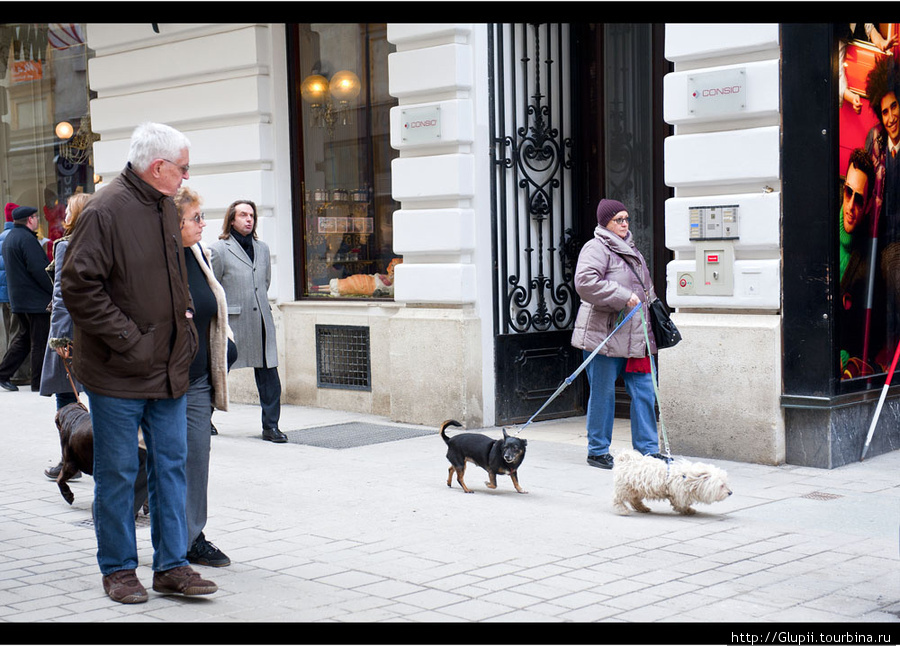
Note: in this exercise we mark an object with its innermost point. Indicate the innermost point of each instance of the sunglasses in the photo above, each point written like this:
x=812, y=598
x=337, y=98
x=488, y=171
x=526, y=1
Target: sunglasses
x=200, y=217
x=859, y=200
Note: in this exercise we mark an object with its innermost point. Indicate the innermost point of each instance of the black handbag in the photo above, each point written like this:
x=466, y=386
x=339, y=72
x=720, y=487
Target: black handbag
x=664, y=331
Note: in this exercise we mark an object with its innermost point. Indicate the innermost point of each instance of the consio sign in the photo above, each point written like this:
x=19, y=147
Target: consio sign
x=421, y=125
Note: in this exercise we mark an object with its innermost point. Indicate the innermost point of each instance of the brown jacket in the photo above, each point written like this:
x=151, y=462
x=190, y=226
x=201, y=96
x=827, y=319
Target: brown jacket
x=604, y=283
x=125, y=285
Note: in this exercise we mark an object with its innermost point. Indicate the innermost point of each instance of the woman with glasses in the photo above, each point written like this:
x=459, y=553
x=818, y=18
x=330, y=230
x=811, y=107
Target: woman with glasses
x=208, y=387
x=611, y=278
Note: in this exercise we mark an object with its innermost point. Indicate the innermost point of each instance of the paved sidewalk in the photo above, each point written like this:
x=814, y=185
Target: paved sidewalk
x=373, y=534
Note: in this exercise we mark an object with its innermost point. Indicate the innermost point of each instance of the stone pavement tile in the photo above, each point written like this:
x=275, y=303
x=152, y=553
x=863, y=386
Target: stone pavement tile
x=350, y=579
x=510, y=598
x=388, y=589
x=841, y=603
x=709, y=577
x=649, y=614
x=589, y=614
x=475, y=610
x=670, y=589
x=532, y=615
x=580, y=599
x=455, y=582
x=431, y=599
x=541, y=590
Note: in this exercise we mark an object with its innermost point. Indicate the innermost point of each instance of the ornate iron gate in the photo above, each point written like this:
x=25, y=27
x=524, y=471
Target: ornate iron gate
x=533, y=220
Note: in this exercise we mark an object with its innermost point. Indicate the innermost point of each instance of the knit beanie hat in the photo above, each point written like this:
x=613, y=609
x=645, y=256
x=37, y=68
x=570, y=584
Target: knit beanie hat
x=10, y=207
x=607, y=210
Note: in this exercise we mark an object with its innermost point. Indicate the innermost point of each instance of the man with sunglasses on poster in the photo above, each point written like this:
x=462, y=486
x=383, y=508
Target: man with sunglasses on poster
x=854, y=236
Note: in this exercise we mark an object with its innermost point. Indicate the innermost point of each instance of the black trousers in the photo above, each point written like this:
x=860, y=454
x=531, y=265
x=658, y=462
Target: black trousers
x=33, y=335
x=268, y=384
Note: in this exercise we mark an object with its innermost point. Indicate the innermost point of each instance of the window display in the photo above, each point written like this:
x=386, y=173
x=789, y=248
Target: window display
x=343, y=151
x=46, y=142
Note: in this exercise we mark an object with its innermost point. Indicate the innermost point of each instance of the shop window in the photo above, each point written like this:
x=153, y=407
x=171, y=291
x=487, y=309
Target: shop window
x=46, y=142
x=868, y=314
x=342, y=158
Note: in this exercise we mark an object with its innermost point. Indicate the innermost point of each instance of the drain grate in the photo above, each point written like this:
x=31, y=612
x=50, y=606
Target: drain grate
x=353, y=434
x=821, y=495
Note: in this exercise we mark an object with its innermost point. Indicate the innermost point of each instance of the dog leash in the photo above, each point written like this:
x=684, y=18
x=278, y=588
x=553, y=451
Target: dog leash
x=63, y=348
x=662, y=426
x=568, y=380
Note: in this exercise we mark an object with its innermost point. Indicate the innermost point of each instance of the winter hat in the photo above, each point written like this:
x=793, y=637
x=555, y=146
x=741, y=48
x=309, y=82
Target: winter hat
x=10, y=207
x=22, y=212
x=607, y=210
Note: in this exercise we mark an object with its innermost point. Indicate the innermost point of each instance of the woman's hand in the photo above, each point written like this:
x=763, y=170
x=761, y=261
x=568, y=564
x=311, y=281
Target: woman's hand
x=633, y=301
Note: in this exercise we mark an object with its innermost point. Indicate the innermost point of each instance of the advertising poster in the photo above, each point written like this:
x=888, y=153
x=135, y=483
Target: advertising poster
x=869, y=216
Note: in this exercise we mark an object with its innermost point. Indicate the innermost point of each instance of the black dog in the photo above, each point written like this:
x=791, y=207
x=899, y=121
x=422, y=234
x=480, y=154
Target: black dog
x=494, y=456
x=76, y=439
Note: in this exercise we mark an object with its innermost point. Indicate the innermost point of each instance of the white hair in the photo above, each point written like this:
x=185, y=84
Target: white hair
x=151, y=141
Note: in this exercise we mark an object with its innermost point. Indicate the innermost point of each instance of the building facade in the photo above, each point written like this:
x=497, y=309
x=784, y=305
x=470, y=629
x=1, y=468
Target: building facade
x=425, y=188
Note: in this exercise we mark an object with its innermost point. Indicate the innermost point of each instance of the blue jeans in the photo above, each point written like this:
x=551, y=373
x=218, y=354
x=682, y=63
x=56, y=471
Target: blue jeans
x=602, y=373
x=163, y=422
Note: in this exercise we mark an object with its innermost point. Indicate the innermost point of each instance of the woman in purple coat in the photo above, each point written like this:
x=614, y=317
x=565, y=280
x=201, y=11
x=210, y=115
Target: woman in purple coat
x=611, y=278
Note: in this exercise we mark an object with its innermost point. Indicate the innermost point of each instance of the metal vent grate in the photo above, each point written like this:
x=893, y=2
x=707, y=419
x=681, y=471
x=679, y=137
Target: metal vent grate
x=342, y=357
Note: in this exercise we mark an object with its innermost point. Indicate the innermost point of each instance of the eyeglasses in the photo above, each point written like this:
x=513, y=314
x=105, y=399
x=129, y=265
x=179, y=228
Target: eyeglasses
x=622, y=220
x=184, y=169
x=200, y=217
x=859, y=200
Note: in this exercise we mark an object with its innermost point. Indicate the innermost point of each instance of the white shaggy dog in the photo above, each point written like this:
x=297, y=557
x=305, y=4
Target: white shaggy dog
x=639, y=477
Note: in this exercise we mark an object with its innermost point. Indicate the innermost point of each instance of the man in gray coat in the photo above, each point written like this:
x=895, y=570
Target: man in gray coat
x=242, y=265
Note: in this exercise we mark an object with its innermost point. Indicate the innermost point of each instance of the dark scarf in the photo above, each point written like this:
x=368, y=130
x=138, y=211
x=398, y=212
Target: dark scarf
x=246, y=242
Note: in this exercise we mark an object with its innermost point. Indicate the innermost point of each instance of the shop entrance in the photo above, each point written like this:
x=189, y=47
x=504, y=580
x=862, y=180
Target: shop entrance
x=575, y=116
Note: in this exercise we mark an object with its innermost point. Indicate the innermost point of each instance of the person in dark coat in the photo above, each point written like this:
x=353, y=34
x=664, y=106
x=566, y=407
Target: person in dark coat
x=30, y=291
x=124, y=284
x=55, y=379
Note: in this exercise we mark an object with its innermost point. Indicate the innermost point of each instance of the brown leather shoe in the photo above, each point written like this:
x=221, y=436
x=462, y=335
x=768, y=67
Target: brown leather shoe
x=123, y=586
x=182, y=580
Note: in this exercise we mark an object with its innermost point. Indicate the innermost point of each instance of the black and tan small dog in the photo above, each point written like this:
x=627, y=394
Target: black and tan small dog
x=494, y=456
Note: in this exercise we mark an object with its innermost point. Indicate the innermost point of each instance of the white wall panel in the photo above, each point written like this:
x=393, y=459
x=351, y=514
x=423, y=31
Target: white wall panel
x=429, y=71
x=434, y=231
x=434, y=283
x=750, y=156
x=437, y=177
x=761, y=92
x=223, y=53
x=692, y=41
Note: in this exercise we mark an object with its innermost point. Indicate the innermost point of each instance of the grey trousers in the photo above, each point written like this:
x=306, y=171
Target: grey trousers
x=199, y=420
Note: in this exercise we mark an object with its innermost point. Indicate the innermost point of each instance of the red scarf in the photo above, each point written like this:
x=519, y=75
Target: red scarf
x=641, y=364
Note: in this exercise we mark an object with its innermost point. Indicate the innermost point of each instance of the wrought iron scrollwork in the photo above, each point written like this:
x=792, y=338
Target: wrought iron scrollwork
x=540, y=295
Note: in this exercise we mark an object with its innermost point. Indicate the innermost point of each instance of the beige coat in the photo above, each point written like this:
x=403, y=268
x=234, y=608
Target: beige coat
x=219, y=331
x=605, y=283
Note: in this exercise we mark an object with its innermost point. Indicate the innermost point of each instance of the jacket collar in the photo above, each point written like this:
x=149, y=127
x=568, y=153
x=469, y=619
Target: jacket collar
x=235, y=248
x=614, y=242
x=144, y=192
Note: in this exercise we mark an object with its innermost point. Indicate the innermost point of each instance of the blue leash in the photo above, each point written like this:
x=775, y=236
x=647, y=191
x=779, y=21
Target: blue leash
x=568, y=380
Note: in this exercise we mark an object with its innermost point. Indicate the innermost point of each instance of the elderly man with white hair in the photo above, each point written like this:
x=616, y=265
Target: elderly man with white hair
x=123, y=282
